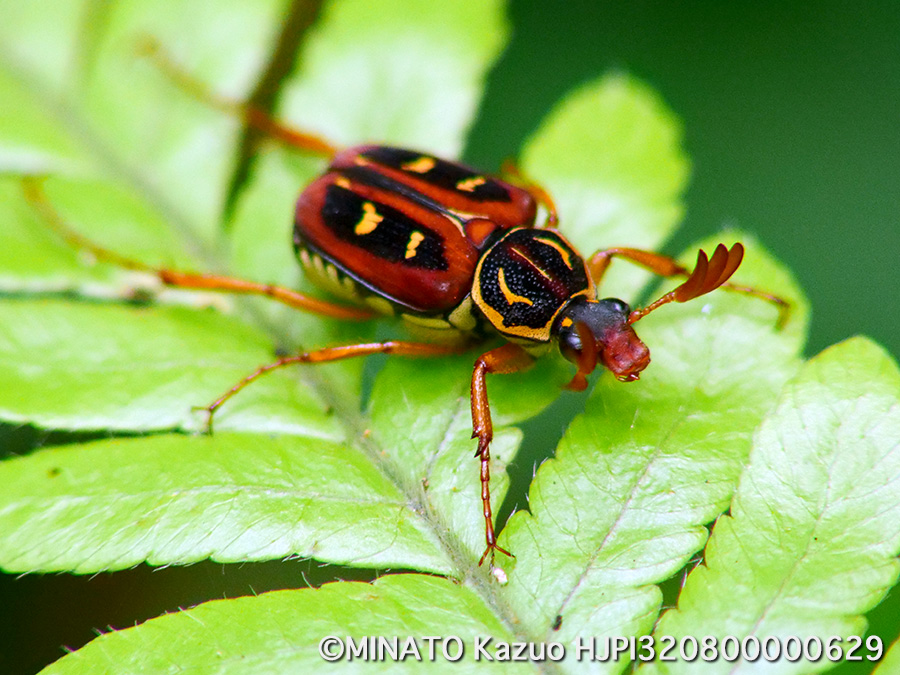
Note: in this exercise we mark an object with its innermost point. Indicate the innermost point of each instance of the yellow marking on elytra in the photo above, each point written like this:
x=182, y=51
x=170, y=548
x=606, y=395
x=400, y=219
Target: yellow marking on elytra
x=359, y=160
x=420, y=165
x=508, y=293
x=563, y=252
x=369, y=221
x=469, y=184
x=342, y=182
x=566, y=322
x=414, y=240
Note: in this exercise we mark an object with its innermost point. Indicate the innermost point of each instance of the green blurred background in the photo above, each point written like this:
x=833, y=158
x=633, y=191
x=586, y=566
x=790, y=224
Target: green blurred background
x=790, y=114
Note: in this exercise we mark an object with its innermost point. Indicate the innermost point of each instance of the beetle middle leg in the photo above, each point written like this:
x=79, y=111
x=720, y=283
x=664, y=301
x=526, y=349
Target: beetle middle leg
x=329, y=354
x=509, y=358
x=707, y=275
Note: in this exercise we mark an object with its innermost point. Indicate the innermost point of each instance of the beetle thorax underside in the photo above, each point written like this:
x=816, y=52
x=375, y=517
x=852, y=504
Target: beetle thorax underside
x=524, y=281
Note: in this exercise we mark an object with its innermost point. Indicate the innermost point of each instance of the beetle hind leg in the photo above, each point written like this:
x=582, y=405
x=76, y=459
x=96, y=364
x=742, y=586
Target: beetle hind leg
x=35, y=196
x=253, y=116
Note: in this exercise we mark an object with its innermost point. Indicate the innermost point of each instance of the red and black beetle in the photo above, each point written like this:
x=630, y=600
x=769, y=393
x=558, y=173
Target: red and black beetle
x=457, y=255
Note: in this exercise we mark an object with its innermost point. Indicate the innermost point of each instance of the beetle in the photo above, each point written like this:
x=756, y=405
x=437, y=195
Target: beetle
x=457, y=255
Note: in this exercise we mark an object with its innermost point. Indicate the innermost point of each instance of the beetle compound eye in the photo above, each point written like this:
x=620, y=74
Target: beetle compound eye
x=616, y=306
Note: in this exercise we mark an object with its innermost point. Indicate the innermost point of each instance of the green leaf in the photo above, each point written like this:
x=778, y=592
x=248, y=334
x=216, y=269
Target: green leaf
x=623, y=504
x=414, y=80
x=280, y=632
x=229, y=497
x=32, y=256
x=98, y=366
x=307, y=465
x=138, y=127
x=261, y=238
x=421, y=416
x=48, y=49
x=812, y=538
x=891, y=661
x=178, y=149
x=32, y=139
x=611, y=156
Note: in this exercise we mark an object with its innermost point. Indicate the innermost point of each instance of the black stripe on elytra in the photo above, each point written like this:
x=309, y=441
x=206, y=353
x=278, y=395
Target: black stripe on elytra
x=390, y=238
x=373, y=178
x=444, y=174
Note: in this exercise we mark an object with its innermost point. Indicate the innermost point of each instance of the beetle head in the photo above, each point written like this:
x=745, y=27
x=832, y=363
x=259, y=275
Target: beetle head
x=592, y=331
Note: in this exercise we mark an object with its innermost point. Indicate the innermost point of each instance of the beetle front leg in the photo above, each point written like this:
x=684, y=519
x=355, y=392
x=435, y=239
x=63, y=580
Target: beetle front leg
x=509, y=358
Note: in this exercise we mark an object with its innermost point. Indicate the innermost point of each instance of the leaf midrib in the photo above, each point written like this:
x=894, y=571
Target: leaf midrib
x=64, y=110
x=614, y=525
x=660, y=445
x=252, y=490
x=811, y=536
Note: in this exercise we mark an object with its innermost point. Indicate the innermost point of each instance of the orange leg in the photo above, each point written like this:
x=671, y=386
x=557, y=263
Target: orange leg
x=189, y=280
x=708, y=275
x=511, y=170
x=412, y=349
x=509, y=358
x=253, y=117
